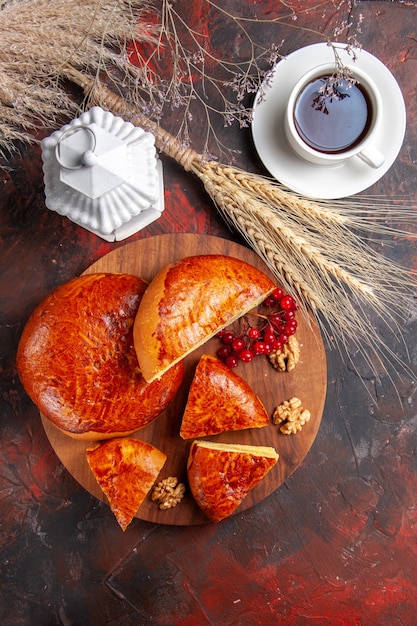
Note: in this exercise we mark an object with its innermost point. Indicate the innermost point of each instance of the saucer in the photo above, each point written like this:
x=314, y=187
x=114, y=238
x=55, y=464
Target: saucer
x=319, y=181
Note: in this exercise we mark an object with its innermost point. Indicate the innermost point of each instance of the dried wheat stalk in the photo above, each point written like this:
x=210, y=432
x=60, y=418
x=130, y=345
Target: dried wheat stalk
x=39, y=38
x=311, y=247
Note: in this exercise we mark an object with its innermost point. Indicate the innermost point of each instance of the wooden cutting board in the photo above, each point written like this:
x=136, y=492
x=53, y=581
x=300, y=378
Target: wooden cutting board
x=307, y=381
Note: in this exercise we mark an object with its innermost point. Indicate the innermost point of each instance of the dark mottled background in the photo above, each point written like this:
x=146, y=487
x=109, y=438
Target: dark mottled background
x=335, y=545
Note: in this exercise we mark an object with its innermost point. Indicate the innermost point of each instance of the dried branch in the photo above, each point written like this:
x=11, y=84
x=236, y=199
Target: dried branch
x=203, y=83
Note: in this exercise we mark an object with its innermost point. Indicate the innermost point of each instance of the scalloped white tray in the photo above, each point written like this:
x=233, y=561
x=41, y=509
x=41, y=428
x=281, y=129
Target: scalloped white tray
x=124, y=209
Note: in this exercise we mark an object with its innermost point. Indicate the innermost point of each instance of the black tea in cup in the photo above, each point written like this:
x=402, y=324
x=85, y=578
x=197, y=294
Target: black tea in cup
x=332, y=120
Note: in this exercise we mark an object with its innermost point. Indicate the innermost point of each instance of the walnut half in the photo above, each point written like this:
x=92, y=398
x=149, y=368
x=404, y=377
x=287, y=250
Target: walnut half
x=168, y=492
x=285, y=359
x=291, y=416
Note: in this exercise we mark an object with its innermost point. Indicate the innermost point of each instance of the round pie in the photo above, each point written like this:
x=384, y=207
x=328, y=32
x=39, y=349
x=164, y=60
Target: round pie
x=77, y=361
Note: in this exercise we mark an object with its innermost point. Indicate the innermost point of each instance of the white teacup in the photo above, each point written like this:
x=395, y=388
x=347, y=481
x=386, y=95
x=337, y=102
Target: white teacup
x=328, y=131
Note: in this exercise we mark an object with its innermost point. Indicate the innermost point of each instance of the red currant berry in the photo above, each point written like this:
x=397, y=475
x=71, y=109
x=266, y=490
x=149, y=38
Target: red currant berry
x=283, y=337
x=291, y=327
x=223, y=352
x=253, y=333
x=277, y=345
x=275, y=318
x=245, y=355
x=232, y=361
x=288, y=315
x=280, y=328
x=269, y=337
x=228, y=338
x=259, y=348
x=269, y=301
x=287, y=303
x=277, y=294
x=238, y=344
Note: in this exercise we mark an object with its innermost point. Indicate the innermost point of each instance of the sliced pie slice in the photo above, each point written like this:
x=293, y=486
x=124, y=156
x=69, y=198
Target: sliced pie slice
x=187, y=302
x=220, y=475
x=220, y=400
x=126, y=470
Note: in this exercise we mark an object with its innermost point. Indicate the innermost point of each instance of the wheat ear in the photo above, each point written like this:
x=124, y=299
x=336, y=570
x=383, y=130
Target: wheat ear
x=38, y=37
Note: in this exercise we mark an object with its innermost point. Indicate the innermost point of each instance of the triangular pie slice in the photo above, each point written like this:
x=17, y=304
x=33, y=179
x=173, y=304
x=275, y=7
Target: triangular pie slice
x=188, y=302
x=220, y=400
x=125, y=469
x=221, y=475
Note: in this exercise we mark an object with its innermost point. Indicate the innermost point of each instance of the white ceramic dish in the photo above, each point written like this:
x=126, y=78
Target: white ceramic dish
x=319, y=181
x=127, y=176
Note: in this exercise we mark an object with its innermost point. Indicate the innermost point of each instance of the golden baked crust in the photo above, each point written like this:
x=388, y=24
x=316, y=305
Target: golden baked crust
x=126, y=470
x=188, y=302
x=220, y=400
x=77, y=361
x=220, y=476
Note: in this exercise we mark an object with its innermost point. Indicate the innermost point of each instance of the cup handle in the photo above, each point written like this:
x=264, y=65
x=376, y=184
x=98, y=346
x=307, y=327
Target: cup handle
x=372, y=157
